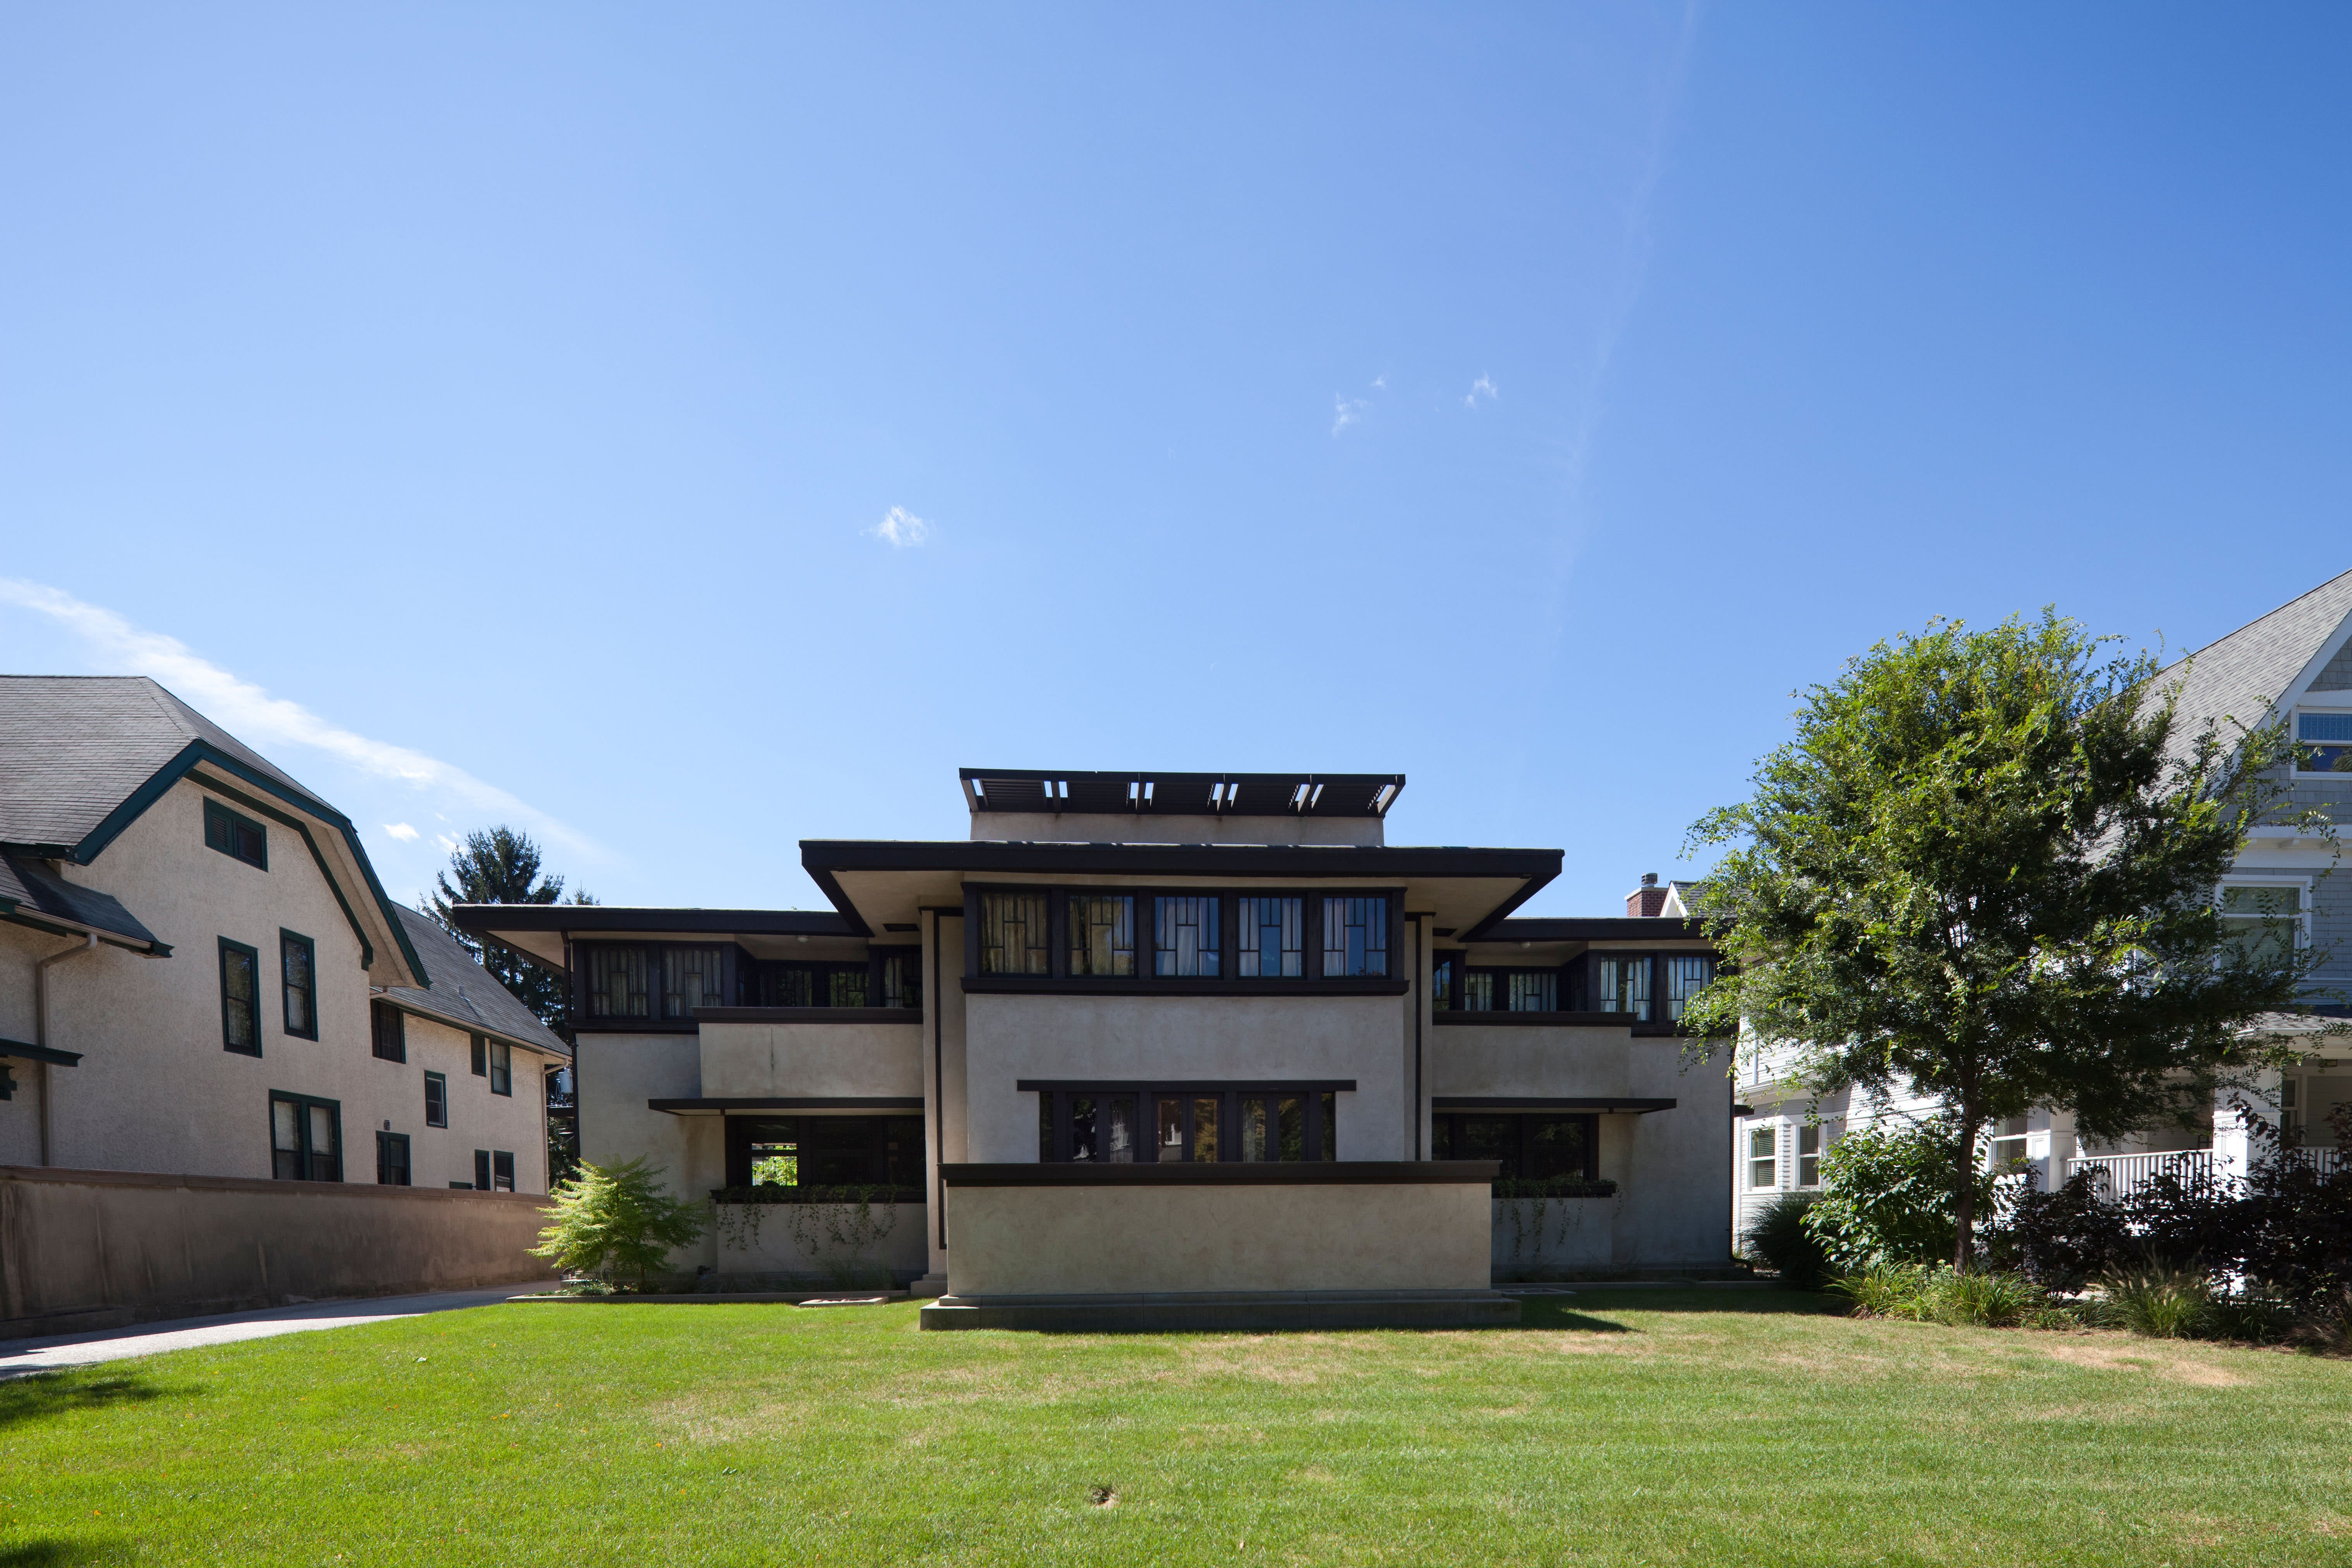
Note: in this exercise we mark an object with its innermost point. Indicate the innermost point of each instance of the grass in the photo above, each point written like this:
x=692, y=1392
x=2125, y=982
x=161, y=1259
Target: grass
x=1614, y=1428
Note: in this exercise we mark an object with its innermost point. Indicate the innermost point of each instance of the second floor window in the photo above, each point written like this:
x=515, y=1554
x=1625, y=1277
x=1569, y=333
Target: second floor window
x=1686, y=978
x=1184, y=937
x=501, y=1067
x=617, y=983
x=2323, y=742
x=298, y=961
x=1533, y=990
x=436, y=1100
x=1015, y=938
x=388, y=1026
x=902, y=979
x=1441, y=985
x=1271, y=942
x=691, y=978
x=2262, y=923
x=1622, y=985
x=1355, y=936
x=240, y=982
x=1102, y=935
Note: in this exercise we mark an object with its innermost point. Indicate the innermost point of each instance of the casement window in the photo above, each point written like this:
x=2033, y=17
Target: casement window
x=502, y=1170
x=1272, y=945
x=391, y=1159
x=1478, y=991
x=692, y=978
x=2323, y=742
x=436, y=1100
x=306, y=1138
x=1102, y=933
x=238, y=838
x=240, y=987
x=617, y=982
x=902, y=978
x=501, y=1067
x=1532, y=990
x=825, y=1152
x=1119, y=1126
x=478, y=1047
x=1764, y=1156
x=2006, y=1147
x=1184, y=939
x=2263, y=920
x=388, y=1032
x=1622, y=985
x=1809, y=1154
x=1686, y=976
x=1355, y=936
x=1531, y=1145
x=298, y=971
x=1441, y=985
x=481, y=1170
x=1015, y=934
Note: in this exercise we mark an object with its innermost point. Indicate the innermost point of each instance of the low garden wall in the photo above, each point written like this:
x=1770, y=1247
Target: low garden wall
x=875, y=1241
x=1556, y=1234
x=94, y=1249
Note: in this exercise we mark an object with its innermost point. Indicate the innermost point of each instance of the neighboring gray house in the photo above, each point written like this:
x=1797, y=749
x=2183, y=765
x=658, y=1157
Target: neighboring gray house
x=2293, y=663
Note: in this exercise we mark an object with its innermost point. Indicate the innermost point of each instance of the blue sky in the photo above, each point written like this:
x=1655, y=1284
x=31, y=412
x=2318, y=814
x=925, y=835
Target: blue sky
x=494, y=413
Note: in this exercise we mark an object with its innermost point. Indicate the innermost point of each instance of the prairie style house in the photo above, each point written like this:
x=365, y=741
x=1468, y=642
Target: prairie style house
x=2293, y=665
x=1183, y=1046
x=200, y=974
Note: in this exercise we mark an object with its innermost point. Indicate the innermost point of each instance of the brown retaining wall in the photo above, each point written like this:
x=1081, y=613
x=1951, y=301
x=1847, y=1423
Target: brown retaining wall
x=96, y=1250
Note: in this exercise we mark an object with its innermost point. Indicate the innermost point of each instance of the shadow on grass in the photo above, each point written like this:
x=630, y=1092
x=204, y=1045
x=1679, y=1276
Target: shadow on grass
x=54, y=1551
x=45, y=1395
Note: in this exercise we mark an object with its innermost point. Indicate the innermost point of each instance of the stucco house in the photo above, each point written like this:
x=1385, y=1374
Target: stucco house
x=1164, y=1047
x=2293, y=664
x=202, y=983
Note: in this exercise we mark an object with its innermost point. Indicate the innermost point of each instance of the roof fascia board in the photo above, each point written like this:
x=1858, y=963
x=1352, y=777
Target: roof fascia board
x=2321, y=657
x=585, y=920
x=14, y=914
x=494, y=939
x=471, y=1025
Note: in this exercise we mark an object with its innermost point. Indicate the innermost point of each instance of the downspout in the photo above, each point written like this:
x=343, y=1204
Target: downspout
x=41, y=1027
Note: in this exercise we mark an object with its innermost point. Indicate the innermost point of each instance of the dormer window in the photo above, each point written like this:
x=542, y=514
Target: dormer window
x=2323, y=742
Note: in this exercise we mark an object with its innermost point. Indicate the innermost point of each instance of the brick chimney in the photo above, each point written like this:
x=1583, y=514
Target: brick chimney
x=1648, y=898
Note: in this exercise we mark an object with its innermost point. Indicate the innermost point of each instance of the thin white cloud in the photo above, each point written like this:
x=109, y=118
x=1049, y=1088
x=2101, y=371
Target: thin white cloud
x=1348, y=410
x=1380, y=383
x=1483, y=387
x=400, y=831
x=263, y=722
x=901, y=529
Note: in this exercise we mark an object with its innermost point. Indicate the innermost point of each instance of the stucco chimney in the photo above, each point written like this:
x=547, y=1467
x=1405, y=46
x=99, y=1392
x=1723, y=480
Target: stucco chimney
x=1648, y=898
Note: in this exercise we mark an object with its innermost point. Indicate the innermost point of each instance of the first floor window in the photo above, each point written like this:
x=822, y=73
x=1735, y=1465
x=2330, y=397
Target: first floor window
x=1102, y=933
x=824, y=1152
x=391, y=1159
x=501, y=1067
x=1124, y=1126
x=1622, y=985
x=2008, y=1143
x=1686, y=978
x=298, y=970
x=436, y=1100
x=1184, y=939
x=240, y=983
x=1272, y=943
x=1355, y=936
x=1764, y=1156
x=1015, y=938
x=1809, y=1154
x=306, y=1141
x=617, y=982
x=502, y=1170
x=1537, y=1146
x=388, y=1026
x=481, y=1170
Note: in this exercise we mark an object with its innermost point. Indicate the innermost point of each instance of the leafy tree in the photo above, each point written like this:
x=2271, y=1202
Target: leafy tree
x=1984, y=868
x=617, y=1218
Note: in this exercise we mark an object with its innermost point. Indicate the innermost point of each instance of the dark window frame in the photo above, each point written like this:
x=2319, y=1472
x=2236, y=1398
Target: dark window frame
x=481, y=1170
x=252, y=956
x=477, y=1055
x=902, y=1168
x=503, y=1068
x=234, y=834
x=1445, y=1132
x=738, y=986
x=387, y=1031
x=306, y=1156
x=287, y=941
x=385, y=1169
x=436, y=1105
x=502, y=1170
x=1229, y=977
x=1057, y=1112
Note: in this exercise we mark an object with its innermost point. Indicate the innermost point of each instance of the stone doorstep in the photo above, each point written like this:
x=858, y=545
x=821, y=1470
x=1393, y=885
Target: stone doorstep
x=767, y=1298
x=1176, y=1311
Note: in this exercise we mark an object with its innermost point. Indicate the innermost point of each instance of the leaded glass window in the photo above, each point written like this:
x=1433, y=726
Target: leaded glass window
x=1478, y=991
x=1686, y=978
x=1355, y=936
x=1622, y=985
x=846, y=987
x=1441, y=985
x=902, y=979
x=691, y=978
x=1102, y=933
x=1271, y=939
x=1014, y=936
x=1534, y=991
x=617, y=983
x=1184, y=936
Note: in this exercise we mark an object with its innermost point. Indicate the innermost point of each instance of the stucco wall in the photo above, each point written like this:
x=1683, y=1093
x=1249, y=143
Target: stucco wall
x=796, y=1241
x=1534, y=1237
x=86, y=1249
x=155, y=1090
x=749, y=1060
x=1222, y=1038
x=1093, y=1240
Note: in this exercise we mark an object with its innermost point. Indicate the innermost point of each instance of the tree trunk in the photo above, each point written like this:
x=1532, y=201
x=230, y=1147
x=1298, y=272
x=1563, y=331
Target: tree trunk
x=1964, y=1205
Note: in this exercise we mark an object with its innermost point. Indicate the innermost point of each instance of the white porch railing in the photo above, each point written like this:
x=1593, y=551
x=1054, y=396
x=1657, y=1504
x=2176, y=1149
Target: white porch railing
x=2115, y=1176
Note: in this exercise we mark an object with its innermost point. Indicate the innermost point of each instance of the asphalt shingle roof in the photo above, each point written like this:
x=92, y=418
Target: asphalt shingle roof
x=74, y=747
x=463, y=994
x=2242, y=674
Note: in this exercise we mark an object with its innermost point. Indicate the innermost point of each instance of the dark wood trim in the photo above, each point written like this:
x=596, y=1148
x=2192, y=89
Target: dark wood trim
x=1591, y=928
x=30, y=1053
x=911, y=1016
x=1259, y=1174
x=591, y=920
x=1153, y=985
x=1186, y=1086
x=1541, y=1020
x=1545, y=1102
x=838, y=1102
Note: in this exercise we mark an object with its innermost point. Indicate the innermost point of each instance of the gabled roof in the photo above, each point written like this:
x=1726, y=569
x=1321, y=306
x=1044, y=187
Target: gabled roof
x=83, y=756
x=2242, y=675
x=463, y=994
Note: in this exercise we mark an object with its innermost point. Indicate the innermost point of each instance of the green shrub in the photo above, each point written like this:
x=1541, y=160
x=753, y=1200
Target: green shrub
x=615, y=1217
x=1883, y=1290
x=1886, y=1196
x=2253, y=1316
x=2159, y=1302
x=1778, y=1239
x=2326, y=1326
x=1979, y=1300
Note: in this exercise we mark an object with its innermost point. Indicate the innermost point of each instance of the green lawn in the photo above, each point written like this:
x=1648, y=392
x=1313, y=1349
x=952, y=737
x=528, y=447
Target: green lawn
x=1613, y=1428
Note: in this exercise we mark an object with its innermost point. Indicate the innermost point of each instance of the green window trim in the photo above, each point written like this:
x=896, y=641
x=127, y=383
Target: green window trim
x=296, y=1136
x=436, y=1100
x=240, y=971
x=236, y=835
x=302, y=1024
x=502, y=1068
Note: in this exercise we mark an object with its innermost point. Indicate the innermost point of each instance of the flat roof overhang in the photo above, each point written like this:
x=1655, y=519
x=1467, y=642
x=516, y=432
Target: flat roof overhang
x=1547, y=1102
x=538, y=931
x=880, y=883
